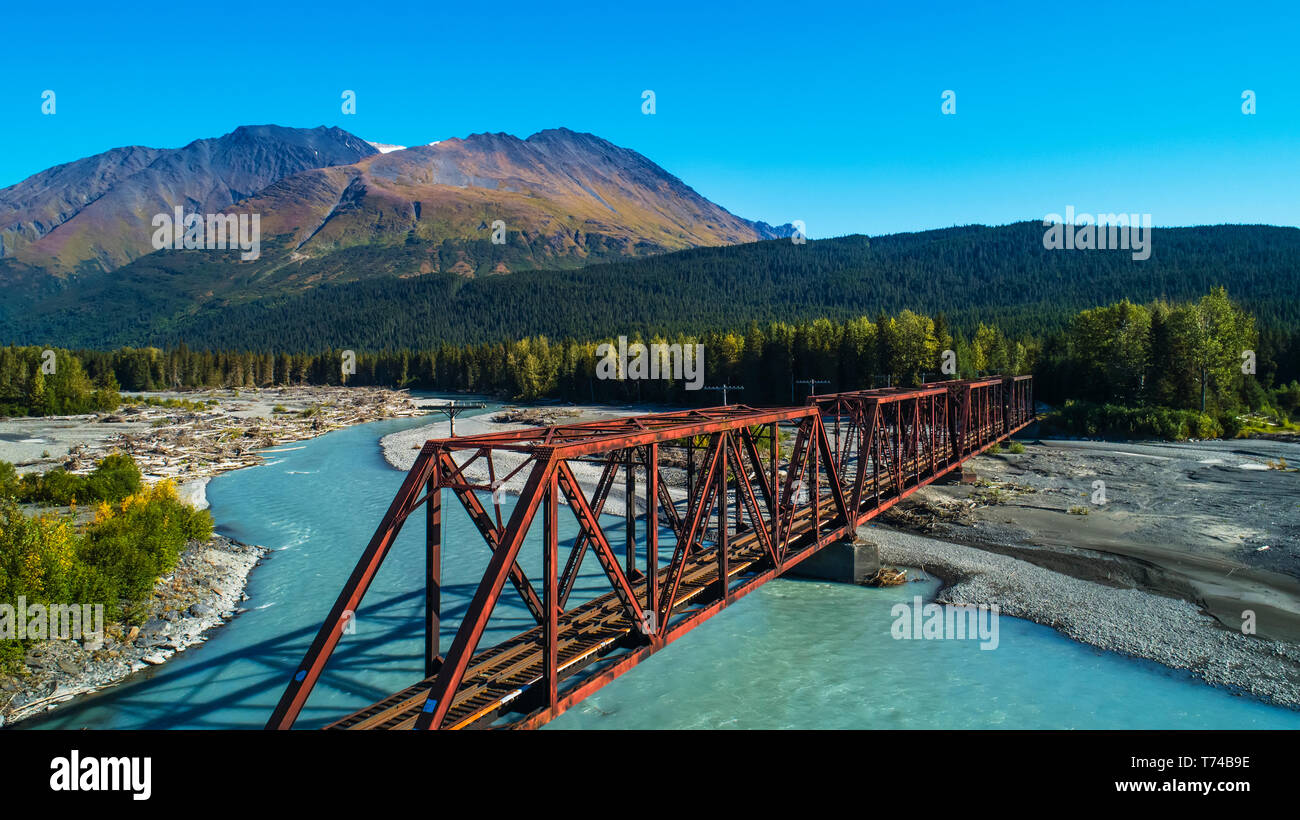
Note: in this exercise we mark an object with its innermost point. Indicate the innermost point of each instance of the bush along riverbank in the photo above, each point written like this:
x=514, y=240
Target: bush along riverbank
x=1081, y=418
x=87, y=600
x=1117, y=421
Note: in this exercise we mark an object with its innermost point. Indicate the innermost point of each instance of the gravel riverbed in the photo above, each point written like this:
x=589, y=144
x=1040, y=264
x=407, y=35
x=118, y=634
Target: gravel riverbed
x=1142, y=624
x=1183, y=542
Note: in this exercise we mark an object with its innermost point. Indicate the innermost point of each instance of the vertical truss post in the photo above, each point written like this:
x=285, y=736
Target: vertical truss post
x=690, y=475
x=652, y=535
x=551, y=591
x=773, y=497
x=724, y=514
x=433, y=573
x=815, y=495
x=629, y=513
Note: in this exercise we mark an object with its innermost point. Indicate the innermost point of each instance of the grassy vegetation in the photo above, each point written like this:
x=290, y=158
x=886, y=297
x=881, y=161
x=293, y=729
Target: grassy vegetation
x=1253, y=424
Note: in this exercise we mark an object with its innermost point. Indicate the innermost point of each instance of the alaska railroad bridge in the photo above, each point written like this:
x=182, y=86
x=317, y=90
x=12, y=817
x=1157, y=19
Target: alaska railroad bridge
x=751, y=511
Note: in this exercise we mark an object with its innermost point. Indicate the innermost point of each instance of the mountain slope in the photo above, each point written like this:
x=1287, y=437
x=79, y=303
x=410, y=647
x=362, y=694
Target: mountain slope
x=95, y=214
x=560, y=197
x=41, y=203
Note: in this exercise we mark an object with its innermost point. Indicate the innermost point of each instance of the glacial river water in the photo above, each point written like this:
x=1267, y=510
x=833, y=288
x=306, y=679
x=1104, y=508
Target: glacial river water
x=797, y=654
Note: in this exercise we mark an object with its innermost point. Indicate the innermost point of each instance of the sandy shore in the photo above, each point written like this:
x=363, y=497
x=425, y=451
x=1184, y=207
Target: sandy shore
x=1131, y=621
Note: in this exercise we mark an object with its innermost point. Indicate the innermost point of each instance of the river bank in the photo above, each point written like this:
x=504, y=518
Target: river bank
x=1186, y=545
x=203, y=592
x=191, y=435
x=187, y=438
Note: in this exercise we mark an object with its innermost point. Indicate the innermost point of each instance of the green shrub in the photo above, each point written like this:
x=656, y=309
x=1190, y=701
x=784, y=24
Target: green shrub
x=113, y=479
x=114, y=560
x=141, y=538
x=8, y=480
x=1088, y=419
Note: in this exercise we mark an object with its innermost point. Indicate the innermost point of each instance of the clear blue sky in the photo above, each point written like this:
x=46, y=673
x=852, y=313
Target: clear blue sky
x=777, y=111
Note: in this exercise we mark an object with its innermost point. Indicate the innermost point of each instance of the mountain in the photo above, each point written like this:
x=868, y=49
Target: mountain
x=561, y=199
x=1001, y=275
x=95, y=214
x=489, y=203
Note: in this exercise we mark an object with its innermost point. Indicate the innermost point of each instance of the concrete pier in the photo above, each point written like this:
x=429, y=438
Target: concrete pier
x=850, y=561
x=965, y=474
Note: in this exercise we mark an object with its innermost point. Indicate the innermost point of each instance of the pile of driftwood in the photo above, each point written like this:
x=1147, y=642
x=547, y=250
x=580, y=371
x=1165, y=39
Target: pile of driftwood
x=887, y=577
x=537, y=416
x=185, y=444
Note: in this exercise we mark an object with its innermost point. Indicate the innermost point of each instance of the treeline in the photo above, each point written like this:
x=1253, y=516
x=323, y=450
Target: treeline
x=41, y=382
x=1205, y=356
x=766, y=360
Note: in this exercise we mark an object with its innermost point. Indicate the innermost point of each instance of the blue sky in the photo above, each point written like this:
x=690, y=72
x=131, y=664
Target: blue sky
x=829, y=114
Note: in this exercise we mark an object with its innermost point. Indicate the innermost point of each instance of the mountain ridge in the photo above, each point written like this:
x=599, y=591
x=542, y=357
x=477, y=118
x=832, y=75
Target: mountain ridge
x=560, y=198
x=112, y=227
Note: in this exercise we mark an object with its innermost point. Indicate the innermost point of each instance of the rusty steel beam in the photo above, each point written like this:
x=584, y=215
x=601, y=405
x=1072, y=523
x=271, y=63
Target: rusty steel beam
x=854, y=454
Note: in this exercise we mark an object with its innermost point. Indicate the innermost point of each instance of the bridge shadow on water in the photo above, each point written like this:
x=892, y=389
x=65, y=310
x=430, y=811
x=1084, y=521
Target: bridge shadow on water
x=249, y=681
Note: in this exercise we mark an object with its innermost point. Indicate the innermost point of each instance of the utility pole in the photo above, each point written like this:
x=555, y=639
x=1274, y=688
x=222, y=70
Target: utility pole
x=453, y=409
x=812, y=383
x=724, y=388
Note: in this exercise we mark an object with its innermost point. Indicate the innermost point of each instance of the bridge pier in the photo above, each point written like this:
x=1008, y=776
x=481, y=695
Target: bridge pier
x=965, y=474
x=849, y=561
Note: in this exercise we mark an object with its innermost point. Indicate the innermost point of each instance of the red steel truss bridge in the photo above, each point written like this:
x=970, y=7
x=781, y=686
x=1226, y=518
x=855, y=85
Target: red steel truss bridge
x=706, y=486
